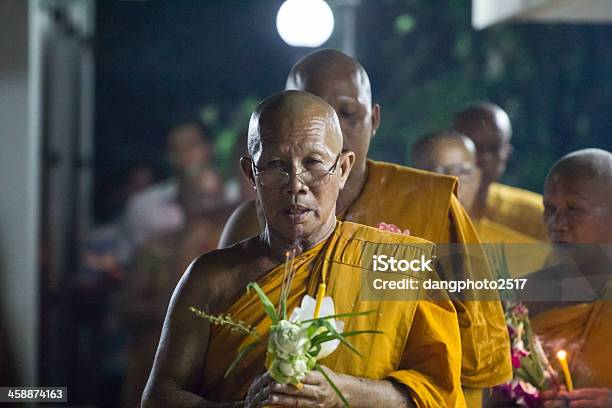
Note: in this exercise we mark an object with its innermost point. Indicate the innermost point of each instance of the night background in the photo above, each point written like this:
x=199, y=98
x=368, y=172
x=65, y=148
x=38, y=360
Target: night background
x=159, y=61
x=89, y=90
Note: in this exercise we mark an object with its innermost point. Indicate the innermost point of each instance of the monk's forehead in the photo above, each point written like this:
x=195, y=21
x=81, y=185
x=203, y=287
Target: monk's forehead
x=299, y=120
x=583, y=181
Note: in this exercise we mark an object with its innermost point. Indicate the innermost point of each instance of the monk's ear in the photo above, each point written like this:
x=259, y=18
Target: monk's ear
x=346, y=164
x=375, y=118
x=247, y=169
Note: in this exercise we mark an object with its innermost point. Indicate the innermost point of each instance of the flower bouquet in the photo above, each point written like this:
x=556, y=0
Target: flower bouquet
x=295, y=343
x=532, y=372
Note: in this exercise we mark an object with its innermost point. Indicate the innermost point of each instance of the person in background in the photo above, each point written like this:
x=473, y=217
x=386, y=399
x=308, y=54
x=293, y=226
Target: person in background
x=156, y=210
x=157, y=268
x=454, y=154
x=490, y=129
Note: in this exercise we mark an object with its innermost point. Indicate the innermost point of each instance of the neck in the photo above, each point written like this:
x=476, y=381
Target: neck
x=278, y=245
x=480, y=203
x=352, y=188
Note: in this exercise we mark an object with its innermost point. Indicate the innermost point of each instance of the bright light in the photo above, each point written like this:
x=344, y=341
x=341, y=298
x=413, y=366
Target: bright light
x=305, y=23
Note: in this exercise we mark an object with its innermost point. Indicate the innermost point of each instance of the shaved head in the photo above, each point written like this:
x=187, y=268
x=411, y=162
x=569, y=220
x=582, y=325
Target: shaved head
x=584, y=165
x=578, y=198
x=280, y=111
x=320, y=63
x=343, y=83
x=489, y=127
x=484, y=115
x=452, y=153
x=429, y=151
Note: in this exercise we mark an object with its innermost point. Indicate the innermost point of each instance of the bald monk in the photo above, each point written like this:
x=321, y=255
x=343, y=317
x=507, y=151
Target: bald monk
x=452, y=153
x=490, y=129
x=578, y=210
x=375, y=192
x=297, y=165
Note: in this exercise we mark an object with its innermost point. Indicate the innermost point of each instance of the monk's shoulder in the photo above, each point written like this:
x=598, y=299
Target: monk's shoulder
x=404, y=175
x=218, y=272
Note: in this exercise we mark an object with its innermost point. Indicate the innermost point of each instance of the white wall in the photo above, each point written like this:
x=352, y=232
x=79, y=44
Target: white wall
x=19, y=185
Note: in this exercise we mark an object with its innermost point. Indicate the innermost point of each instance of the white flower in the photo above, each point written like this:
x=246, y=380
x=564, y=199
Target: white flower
x=306, y=312
x=288, y=339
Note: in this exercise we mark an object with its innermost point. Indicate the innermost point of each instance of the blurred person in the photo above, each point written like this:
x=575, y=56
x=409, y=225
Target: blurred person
x=454, y=154
x=155, y=210
x=157, y=268
x=490, y=129
x=408, y=199
x=298, y=166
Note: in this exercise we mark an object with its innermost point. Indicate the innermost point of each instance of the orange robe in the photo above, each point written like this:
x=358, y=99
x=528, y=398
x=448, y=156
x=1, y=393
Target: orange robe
x=524, y=254
x=420, y=347
x=585, y=332
x=517, y=209
x=426, y=204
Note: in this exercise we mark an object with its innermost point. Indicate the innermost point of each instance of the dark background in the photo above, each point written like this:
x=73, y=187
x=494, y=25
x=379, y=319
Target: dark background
x=159, y=61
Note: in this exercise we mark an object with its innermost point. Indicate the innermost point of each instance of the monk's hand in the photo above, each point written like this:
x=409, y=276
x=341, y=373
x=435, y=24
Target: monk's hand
x=258, y=391
x=590, y=397
x=583, y=397
x=315, y=392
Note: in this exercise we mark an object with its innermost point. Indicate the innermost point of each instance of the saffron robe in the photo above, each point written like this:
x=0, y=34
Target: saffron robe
x=518, y=209
x=426, y=204
x=420, y=347
x=584, y=330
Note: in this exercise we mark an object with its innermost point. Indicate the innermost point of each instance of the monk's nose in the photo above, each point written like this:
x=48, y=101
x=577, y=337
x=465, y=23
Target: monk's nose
x=295, y=185
x=558, y=221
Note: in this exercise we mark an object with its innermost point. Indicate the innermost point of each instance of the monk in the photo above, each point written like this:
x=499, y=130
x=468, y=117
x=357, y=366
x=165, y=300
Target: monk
x=452, y=153
x=297, y=165
x=376, y=192
x=578, y=214
x=490, y=129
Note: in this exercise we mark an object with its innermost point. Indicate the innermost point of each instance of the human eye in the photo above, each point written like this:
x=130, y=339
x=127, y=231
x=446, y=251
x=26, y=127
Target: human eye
x=313, y=161
x=274, y=164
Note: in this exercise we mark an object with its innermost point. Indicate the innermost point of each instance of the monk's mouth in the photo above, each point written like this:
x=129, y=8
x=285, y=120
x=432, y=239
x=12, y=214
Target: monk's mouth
x=296, y=213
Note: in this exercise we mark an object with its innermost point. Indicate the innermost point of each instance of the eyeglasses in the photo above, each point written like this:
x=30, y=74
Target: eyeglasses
x=279, y=178
x=458, y=170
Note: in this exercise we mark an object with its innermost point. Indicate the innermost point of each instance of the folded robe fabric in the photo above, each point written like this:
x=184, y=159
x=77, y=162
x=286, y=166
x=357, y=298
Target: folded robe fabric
x=420, y=347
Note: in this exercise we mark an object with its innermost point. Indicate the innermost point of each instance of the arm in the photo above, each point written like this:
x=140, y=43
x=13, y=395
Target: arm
x=243, y=223
x=181, y=355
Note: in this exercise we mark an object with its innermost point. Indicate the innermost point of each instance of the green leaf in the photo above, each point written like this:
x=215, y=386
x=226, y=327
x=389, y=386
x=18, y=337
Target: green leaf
x=340, y=337
x=338, y=315
x=267, y=304
x=241, y=354
x=331, y=383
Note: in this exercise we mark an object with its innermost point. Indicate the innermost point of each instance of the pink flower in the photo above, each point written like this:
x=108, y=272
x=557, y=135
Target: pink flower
x=521, y=310
x=392, y=228
x=517, y=354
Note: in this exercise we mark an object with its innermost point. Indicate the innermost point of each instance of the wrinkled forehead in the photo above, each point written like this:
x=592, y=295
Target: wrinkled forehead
x=579, y=186
x=312, y=128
